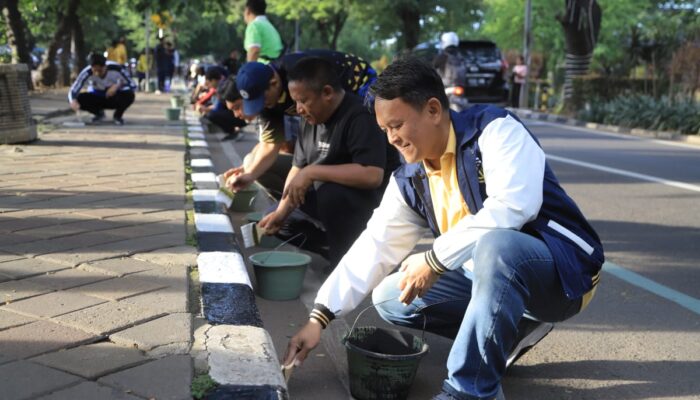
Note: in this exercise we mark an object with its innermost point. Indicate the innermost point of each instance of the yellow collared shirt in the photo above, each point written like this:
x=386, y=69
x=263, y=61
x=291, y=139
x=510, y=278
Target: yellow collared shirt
x=448, y=202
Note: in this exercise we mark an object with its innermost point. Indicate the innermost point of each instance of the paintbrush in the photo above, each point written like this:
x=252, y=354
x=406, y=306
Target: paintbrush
x=252, y=234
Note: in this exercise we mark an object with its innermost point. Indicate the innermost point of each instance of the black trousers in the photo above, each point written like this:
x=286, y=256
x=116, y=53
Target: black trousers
x=225, y=120
x=96, y=104
x=343, y=213
x=515, y=95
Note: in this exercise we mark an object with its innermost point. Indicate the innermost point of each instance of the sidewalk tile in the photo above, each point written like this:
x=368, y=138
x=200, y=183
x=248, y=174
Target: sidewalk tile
x=120, y=288
x=119, y=266
x=67, y=278
x=167, y=378
x=185, y=256
x=28, y=267
x=91, y=391
x=94, y=360
x=108, y=317
x=165, y=301
x=11, y=320
x=11, y=291
x=9, y=257
x=72, y=259
x=25, y=380
x=40, y=337
x=52, y=304
x=173, y=331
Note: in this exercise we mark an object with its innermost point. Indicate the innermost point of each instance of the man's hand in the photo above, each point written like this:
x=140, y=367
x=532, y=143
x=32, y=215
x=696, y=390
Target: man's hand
x=417, y=278
x=237, y=179
x=75, y=105
x=112, y=91
x=302, y=343
x=272, y=222
x=295, y=190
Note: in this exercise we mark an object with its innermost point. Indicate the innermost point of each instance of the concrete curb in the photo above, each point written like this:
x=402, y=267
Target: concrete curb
x=233, y=345
x=663, y=135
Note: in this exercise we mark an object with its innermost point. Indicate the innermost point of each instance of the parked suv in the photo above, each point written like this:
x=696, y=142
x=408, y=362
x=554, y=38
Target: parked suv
x=486, y=69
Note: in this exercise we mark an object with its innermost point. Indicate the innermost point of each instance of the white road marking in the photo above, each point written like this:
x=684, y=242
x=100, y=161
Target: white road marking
x=630, y=174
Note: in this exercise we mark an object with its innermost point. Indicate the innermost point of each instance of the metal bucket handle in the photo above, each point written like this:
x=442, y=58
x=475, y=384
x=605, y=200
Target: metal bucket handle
x=296, y=248
x=352, y=328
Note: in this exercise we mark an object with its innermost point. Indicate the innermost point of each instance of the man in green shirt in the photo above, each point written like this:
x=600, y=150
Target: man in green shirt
x=262, y=41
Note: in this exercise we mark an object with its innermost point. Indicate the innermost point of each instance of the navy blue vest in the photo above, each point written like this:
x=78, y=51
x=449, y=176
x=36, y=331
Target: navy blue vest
x=576, y=266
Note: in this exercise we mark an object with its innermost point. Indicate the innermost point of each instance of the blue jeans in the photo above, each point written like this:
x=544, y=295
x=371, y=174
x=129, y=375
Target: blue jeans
x=513, y=275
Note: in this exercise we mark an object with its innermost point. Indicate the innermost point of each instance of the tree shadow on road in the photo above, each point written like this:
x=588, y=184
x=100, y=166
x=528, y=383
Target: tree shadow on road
x=604, y=379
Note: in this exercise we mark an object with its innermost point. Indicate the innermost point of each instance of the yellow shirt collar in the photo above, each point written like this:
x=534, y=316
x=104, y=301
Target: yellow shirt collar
x=450, y=150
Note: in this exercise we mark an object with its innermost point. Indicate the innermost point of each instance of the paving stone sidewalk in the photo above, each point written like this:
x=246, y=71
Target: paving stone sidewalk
x=94, y=262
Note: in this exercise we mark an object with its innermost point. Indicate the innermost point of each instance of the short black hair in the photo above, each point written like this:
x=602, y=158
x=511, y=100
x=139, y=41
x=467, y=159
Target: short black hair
x=97, y=59
x=411, y=80
x=213, y=73
x=316, y=72
x=230, y=92
x=257, y=7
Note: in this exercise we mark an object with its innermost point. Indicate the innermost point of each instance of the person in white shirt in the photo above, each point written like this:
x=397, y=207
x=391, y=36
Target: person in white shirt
x=512, y=251
x=109, y=87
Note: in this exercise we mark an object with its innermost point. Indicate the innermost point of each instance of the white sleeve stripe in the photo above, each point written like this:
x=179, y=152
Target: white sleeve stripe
x=572, y=236
x=79, y=82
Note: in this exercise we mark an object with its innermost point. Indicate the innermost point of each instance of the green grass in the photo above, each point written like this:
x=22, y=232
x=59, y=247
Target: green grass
x=191, y=239
x=201, y=385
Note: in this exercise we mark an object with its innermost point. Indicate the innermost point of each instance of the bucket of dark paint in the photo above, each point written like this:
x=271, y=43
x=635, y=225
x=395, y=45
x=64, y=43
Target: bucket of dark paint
x=382, y=363
x=177, y=101
x=172, y=114
x=267, y=241
x=242, y=200
x=279, y=274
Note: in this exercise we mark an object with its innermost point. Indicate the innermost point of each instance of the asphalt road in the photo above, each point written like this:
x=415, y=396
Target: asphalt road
x=639, y=338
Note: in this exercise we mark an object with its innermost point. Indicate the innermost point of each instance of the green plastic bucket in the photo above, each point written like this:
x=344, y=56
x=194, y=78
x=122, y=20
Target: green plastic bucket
x=242, y=200
x=266, y=241
x=177, y=102
x=172, y=114
x=382, y=363
x=279, y=274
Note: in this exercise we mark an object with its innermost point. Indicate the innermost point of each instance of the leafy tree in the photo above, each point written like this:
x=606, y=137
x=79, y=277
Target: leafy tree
x=328, y=17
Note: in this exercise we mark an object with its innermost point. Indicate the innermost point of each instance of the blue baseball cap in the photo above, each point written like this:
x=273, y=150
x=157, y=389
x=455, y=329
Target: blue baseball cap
x=252, y=80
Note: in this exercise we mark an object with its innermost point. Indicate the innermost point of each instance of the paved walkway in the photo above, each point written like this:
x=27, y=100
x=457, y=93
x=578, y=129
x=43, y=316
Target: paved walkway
x=94, y=263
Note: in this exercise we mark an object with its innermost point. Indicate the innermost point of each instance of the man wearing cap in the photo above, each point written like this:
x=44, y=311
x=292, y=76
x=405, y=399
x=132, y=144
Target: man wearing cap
x=263, y=92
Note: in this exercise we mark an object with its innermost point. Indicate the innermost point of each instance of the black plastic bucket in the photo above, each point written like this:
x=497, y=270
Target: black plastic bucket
x=382, y=363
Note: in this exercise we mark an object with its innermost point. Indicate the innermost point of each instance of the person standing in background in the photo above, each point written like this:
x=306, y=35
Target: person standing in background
x=519, y=74
x=143, y=65
x=262, y=41
x=120, y=51
x=164, y=63
x=111, y=52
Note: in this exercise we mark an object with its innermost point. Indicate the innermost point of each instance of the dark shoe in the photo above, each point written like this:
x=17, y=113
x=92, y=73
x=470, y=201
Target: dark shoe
x=119, y=121
x=529, y=333
x=98, y=117
x=443, y=395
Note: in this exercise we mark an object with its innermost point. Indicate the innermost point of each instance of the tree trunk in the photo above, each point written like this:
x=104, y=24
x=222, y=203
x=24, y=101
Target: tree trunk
x=16, y=35
x=49, y=71
x=410, y=25
x=581, y=24
x=79, y=44
x=338, y=23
